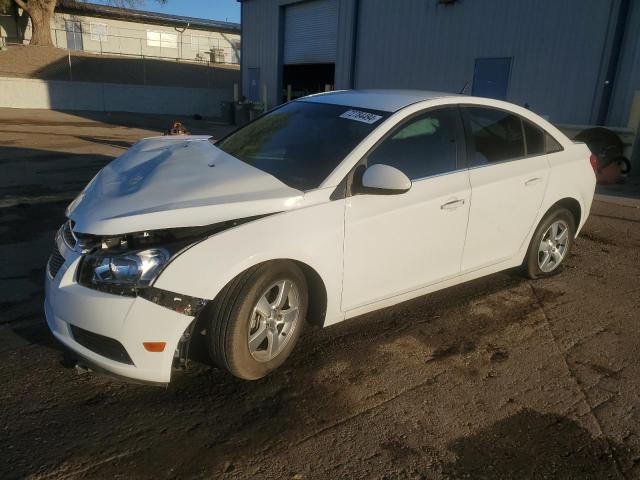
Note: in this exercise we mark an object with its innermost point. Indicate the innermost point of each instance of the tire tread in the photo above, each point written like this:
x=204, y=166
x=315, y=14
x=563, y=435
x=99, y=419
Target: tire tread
x=222, y=310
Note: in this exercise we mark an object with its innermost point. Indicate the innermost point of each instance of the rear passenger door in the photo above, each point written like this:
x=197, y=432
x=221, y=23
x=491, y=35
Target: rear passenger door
x=508, y=172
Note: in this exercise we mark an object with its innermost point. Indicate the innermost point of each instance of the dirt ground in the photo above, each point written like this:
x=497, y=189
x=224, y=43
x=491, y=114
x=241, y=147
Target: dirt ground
x=500, y=378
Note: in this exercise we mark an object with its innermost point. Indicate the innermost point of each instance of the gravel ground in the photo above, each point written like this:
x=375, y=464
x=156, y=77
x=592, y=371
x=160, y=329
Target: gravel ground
x=500, y=378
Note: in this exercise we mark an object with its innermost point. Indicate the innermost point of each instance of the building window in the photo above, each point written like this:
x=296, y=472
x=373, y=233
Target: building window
x=162, y=39
x=153, y=39
x=98, y=31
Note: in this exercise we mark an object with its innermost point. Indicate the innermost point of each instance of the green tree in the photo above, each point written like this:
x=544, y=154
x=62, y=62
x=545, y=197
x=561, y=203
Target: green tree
x=41, y=11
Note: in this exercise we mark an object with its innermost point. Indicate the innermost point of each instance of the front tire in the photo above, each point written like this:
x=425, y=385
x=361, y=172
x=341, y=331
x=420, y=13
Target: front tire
x=550, y=244
x=256, y=320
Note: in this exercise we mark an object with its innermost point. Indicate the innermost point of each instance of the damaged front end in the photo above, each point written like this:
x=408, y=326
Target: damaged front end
x=129, y=264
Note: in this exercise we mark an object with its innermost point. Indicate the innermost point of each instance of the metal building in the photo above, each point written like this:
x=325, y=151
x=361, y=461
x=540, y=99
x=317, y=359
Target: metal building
x=573, y=61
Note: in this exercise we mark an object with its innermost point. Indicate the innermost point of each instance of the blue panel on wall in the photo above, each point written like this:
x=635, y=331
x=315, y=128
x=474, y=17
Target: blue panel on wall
x=491, y=77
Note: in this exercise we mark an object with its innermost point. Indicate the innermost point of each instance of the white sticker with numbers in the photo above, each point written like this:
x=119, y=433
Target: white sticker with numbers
x=359, y=116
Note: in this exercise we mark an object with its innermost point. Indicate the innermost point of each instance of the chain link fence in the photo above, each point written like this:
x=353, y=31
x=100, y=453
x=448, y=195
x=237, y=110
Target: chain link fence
x=127, y=60
x=83, y=67
x=149, y=44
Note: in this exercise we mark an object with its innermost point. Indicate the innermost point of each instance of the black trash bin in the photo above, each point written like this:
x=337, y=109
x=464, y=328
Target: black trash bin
x=257, y=109
x=228, y=112
x=241, y=111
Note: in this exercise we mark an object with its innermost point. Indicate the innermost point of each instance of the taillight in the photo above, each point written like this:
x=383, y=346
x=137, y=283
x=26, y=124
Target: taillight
x=593, y=160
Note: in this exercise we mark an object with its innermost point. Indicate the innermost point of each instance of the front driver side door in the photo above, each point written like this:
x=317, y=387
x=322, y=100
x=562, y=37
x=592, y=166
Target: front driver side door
x=398, y=243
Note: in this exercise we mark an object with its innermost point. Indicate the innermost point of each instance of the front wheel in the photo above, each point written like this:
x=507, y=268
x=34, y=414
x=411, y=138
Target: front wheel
x=550, y=244
x=256, y=320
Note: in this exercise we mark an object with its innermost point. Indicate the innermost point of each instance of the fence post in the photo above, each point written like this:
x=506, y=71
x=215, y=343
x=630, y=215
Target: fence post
x=69, y=58
x=144, y=72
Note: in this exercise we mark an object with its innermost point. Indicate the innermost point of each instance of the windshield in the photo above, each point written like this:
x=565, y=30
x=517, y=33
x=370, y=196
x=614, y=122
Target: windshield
x=302, y=142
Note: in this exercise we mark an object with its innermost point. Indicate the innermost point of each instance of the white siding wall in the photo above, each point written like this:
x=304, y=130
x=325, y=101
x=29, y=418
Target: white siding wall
x=128, y=38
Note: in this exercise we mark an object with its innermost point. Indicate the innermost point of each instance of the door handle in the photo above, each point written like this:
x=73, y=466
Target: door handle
x=452, y=205
x=532, y=181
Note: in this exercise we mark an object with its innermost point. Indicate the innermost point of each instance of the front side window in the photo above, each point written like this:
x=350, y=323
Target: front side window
x=496, y=134
x=302, y=142
x=423, y=146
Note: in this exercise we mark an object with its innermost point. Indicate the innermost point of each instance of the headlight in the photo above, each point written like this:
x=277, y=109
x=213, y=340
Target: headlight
x=122, y=273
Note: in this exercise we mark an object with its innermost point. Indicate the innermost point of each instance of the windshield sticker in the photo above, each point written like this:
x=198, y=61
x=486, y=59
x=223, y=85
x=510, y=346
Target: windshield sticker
x=360, y=116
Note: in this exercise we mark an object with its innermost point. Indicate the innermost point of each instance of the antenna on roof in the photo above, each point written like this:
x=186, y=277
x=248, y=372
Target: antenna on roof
x=463, y=91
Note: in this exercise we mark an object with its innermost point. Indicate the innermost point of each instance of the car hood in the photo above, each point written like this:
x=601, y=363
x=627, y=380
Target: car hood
x=168, y=182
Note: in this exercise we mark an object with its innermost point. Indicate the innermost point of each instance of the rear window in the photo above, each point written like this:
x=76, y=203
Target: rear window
x=302, y=142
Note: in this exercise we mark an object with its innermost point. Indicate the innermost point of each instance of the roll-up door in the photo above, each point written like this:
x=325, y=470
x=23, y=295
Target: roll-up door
x=310, y=31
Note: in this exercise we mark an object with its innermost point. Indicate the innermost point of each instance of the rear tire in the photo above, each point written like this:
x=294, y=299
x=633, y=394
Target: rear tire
x=551, y=244
x=256, y=320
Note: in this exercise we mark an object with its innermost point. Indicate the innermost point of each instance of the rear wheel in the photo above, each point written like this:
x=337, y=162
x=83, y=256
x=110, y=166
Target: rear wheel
x=550, y=244
x=256, y=320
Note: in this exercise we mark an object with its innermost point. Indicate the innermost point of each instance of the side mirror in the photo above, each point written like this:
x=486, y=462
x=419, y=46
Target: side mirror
x=384, y=180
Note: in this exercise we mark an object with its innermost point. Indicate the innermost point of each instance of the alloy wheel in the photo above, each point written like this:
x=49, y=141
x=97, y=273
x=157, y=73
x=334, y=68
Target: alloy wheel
x=275, y=316
x=553, y=246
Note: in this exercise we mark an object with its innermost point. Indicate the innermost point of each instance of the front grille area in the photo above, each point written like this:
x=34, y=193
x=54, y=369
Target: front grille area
x=67, y=234
x=107, y=347
x=55, y=262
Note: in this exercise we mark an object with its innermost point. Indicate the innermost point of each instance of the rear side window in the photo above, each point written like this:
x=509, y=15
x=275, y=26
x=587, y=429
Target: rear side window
x=423, y=146
x=535, y=138
x=497, y=135
x=551, y=144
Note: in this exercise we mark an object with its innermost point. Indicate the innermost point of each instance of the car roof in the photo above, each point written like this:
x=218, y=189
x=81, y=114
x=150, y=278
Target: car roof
x=384, y=100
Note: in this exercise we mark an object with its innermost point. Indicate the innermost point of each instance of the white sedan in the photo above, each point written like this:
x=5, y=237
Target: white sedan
x=325, y=208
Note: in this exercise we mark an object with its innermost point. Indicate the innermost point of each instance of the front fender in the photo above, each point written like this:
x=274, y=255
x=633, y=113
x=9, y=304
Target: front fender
x=312, y=235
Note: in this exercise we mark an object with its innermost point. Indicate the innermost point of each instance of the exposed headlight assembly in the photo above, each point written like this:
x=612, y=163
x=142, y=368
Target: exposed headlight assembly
x=128, y=264
x=122, y=273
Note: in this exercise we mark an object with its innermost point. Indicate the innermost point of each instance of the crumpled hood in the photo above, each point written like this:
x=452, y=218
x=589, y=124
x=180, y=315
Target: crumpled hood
x=167, y=182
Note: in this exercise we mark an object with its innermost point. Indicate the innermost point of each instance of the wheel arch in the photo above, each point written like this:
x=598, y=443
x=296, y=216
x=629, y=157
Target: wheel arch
x=316, y=310
x=570, y=204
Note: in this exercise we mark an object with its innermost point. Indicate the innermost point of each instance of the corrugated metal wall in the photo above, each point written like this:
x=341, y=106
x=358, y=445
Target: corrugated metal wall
x=628, y=76
x=261, y=44
x=557, y=47
x=560, y=49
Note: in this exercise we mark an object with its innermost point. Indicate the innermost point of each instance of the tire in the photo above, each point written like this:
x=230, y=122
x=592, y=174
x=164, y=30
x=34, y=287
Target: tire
x=235, y=314
x=534, y=265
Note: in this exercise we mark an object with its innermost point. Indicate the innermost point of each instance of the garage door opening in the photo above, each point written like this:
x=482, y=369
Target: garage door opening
x=309, y=50
x=301, y=80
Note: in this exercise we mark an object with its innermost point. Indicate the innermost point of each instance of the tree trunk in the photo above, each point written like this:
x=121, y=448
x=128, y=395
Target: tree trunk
x=41, y=13
x=41, y=27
